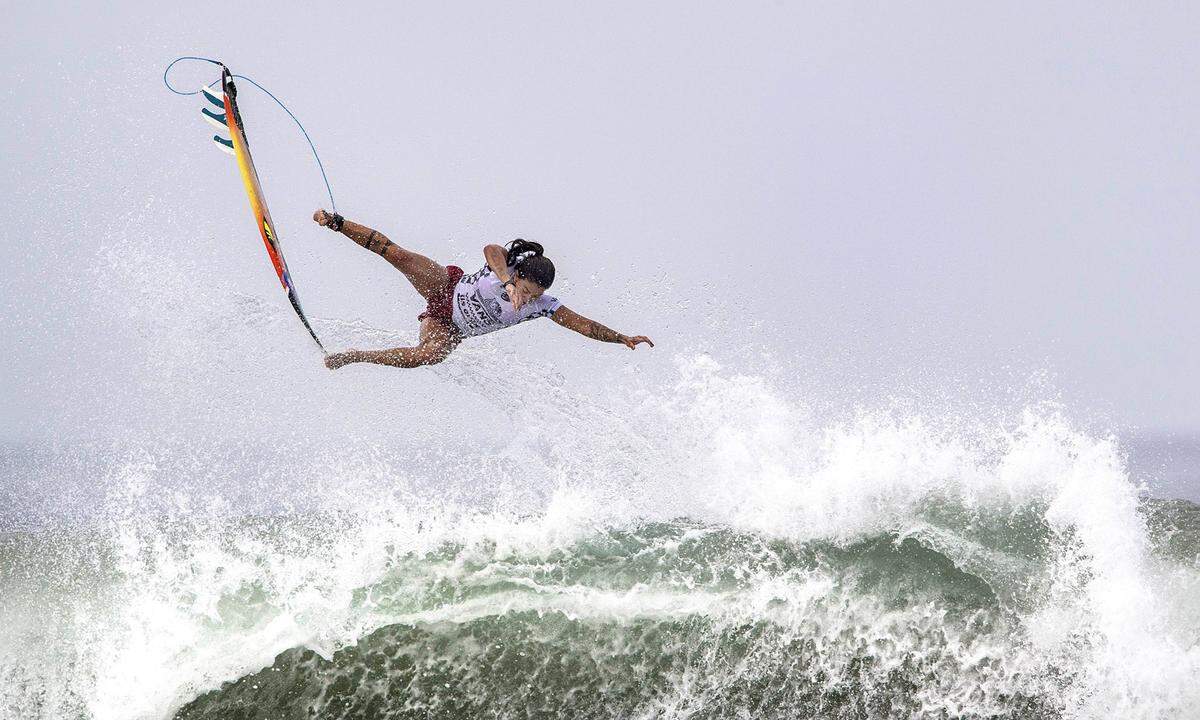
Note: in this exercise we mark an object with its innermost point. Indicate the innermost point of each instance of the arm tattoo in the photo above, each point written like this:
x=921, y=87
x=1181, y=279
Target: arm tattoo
x=596, y=331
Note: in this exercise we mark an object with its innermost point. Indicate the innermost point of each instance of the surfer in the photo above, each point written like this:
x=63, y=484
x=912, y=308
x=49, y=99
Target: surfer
x=510, y=288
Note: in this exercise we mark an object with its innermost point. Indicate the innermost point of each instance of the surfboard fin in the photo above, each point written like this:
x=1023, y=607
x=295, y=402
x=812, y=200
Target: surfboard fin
x=216, y=116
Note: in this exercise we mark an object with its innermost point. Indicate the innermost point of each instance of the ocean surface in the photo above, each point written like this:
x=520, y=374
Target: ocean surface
x=708, y=550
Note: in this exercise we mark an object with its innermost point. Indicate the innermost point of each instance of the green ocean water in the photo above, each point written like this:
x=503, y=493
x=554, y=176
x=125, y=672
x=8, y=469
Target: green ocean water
x=338, y=616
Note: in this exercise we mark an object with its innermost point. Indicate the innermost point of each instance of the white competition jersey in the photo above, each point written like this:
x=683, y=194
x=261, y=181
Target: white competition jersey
x=481, y=304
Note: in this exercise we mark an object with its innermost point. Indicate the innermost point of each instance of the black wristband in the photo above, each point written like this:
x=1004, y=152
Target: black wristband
x=335, y=222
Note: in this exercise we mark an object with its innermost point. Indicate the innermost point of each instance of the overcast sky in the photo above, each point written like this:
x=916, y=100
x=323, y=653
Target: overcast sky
x=932, y=192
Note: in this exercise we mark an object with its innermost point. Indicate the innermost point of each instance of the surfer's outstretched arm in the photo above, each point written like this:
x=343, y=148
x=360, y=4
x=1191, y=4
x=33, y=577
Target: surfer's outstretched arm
x=574, y=321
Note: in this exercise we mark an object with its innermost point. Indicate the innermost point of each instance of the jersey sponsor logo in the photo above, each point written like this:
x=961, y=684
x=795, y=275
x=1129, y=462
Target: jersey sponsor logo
x=492, y=307
x=479, y=313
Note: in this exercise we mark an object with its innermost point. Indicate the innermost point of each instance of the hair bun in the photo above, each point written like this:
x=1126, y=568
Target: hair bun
x=530, y=262
x=521, y=248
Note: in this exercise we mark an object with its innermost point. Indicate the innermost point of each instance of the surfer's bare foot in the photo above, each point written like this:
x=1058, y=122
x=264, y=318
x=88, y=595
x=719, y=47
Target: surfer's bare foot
x=333, y=361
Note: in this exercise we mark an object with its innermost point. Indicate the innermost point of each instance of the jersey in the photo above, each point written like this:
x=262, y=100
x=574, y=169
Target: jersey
x=481, y=304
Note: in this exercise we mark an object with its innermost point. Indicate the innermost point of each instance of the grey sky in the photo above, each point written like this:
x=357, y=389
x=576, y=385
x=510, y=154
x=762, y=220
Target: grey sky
x=896, y=195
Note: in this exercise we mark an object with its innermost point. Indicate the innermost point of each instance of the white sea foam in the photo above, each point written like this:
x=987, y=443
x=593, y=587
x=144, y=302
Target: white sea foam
x=182, y=602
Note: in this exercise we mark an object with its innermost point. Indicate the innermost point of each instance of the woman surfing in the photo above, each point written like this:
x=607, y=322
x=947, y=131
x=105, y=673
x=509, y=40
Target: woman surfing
x=510, y=288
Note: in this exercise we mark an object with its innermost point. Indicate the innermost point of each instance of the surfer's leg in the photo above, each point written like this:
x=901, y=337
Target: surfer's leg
x=427, y=277
x=401, y=357
x=435, y=330
x=438, y=340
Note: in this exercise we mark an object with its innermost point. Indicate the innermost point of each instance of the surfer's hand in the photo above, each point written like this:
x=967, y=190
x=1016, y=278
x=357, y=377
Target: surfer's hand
x=517, y=296
x=632, y=342
x=322, y=218
x=333, y=361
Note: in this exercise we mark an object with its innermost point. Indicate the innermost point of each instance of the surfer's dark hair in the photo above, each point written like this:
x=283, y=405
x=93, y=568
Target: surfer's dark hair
x=525, y=256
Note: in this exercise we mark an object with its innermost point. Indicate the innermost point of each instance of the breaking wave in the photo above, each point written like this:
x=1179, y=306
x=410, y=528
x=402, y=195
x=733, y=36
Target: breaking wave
x=708, y=551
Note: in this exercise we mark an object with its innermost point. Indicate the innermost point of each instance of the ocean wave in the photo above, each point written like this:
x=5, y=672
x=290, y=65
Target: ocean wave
x=710, y=549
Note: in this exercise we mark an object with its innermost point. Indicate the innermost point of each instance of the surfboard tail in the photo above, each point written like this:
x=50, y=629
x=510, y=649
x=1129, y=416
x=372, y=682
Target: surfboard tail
x=221, y=111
